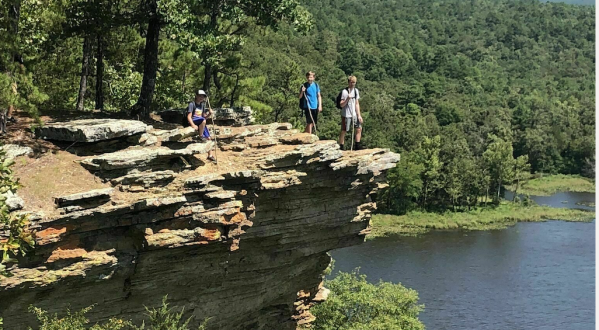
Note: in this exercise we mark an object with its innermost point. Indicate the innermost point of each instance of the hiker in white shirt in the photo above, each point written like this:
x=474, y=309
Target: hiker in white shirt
x=350, y=112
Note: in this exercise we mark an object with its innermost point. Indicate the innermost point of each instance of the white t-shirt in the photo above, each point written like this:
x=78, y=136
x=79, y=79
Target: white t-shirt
x=349, y=110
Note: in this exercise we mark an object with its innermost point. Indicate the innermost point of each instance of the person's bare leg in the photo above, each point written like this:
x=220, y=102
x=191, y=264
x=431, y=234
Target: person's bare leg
x=358, y=134
x=201, y=127
x=342, y=133
x=308, y=128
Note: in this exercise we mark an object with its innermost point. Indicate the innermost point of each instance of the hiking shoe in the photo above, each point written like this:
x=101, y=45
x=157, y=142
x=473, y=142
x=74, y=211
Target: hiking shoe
x=341, y=147
x=357, y=146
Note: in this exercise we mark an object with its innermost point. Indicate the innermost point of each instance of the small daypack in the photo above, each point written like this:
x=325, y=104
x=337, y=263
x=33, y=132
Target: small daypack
x=184, y=120
x=303, y=104
x=338, y=100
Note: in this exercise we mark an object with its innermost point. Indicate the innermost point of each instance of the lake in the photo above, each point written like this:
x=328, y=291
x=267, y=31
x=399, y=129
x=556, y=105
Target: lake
x=530, y=276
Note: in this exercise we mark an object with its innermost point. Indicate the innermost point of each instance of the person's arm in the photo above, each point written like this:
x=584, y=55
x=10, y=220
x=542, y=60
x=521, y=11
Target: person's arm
x=346, y=99
x=190, y=120
x=302, y=90
x=358, y=110
x=357, y=93
x=319, y=103
x=206, y=112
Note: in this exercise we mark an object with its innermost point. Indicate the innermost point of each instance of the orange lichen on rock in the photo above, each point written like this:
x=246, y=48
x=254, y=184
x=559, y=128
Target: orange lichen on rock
x=60, y=254
x=211, y=234
x=235, y=218
x=49, y=235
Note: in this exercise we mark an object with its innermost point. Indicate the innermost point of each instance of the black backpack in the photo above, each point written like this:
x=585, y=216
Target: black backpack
x=338, y=99
x=302, y=102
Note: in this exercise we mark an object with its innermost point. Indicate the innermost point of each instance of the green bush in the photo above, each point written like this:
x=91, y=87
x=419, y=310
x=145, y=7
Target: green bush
x=163, y=318
x=74, y=321
x=355, y=304
x=18, y=237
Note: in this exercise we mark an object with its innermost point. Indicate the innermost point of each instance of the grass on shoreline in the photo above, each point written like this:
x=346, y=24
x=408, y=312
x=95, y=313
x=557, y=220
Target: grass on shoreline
x=550, y=184
x=505, y=215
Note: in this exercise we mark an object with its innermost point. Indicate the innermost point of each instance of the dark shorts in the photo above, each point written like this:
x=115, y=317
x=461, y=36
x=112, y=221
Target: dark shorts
x=198, y=121
x=314, y=115
x=346, y=123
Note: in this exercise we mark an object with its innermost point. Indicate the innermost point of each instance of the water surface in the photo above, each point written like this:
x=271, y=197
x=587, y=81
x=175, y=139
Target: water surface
x=537, y=276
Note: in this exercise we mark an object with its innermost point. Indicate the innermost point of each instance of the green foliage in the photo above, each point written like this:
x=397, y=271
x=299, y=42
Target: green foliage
x=16, y=238
x=545, y=185
x=461, y=70
x=500, y=161
x=470, y=74
x=405, y=186
x=503, y=215
x=165, y=319
x=74, y=321
x=356, y=304
x=162, y=318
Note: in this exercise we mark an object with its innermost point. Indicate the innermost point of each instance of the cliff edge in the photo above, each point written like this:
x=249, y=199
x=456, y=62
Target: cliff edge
x=143, y=214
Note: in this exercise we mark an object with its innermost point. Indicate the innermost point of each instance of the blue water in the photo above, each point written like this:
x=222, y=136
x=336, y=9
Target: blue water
x=537, y=276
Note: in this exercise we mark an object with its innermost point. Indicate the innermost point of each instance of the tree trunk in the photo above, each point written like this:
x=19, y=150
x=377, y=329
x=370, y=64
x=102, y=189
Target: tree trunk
x=183, y=82
x=14, y=15
x=425, y=193
x=516, y=191
x=498, y=189
x=100, y=74
x=142, y=107
x=84, y=72
x=207, y=77
x=234, y=90
x=216, y=79
x=213, y=26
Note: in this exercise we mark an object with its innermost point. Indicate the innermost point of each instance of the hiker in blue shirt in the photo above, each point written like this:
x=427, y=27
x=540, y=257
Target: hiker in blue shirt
x=310, y=93
x=197, y=113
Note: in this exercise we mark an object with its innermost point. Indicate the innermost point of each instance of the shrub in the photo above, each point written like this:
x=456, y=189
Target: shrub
x=355, y=304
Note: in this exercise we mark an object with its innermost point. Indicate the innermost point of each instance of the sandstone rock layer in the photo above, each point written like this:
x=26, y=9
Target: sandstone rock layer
x=246, y=249
x=91, y=130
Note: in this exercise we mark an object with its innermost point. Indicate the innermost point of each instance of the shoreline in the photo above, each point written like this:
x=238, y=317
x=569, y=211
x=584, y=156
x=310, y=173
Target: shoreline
x=505, y=215
x=550, y=184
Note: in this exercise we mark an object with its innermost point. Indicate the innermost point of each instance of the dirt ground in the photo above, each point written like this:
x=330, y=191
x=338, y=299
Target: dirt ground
x=52, y=172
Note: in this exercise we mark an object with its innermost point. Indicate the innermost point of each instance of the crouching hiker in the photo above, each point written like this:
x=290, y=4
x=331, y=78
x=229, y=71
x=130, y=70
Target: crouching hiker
x=197, y=114
x=348, y=102
x=310, y=101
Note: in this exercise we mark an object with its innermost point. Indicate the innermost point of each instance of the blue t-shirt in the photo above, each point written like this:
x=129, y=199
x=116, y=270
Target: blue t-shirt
x=197, y=110
x=312, y=93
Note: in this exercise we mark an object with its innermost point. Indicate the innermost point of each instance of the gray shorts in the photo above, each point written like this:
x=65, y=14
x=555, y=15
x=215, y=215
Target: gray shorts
x=346, y=123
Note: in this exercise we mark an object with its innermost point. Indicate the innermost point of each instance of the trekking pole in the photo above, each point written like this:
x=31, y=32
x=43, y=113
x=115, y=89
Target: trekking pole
x=310, y=112
x=213, y=114
x=353, y=129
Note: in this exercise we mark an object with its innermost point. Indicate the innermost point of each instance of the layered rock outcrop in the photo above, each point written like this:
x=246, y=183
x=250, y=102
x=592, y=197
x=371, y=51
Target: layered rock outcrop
x=236, y=116
x=244, y=245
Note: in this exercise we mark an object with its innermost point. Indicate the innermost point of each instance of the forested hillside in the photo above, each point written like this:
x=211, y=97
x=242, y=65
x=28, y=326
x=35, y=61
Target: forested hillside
x=473, y=94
